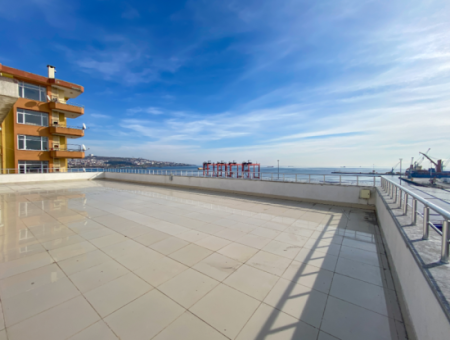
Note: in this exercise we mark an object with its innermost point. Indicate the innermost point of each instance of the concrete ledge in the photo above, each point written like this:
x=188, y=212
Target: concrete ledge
x=343, y=195
x=424, y=315
x=62, y=176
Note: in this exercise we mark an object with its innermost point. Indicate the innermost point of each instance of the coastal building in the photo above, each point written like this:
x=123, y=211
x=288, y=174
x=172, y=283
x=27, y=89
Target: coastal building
x=34, y=112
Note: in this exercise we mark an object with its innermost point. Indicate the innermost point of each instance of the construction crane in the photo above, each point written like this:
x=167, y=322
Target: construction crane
x=419, y=162
x=437, y=164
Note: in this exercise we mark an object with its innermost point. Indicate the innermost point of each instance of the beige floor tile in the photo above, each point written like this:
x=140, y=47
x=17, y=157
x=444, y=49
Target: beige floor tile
x=97, y=331
x=213, y=243
x=29, y=303
x=144, y=317
x=3, y=335
x=230, y=234
x=217, y=266
x=367, y=257
x=254, y=241
x=283, y=249
x=2, y=318
x=151, y=237
x=292, y=238
x=96, y=276
x=359, y=270
x=63, y=242
x=117, y=293
x=105, y=241
x=252, y=281
x=309, y=276
x=301, y=302
x=59, y=322
x=51, y=231
x=169, y=245
x=238, y=252
x=126, y=247
x=271, y=324
x=189, y=327
x=192, y=236
x=190, y=254
x=29, y=280
x=317, y=258
x=269, y=262
x=347, y=321
x=160, y=271
x=83, y=261
x=20, y=251
x=323, y=246
x=266, y=232
x=235, y=309
x=18, y=266
x=96, y=233
x=188, y=287
x=326, y=336
x=66, y=252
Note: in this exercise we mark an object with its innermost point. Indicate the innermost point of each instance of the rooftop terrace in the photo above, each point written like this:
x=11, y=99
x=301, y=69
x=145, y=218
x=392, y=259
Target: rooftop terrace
x=109, y=260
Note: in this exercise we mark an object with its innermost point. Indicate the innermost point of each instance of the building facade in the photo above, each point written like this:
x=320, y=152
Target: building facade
x=36, y=115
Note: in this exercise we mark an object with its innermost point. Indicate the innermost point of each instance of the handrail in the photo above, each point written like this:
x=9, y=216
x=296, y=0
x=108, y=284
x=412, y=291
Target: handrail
x=395, y=191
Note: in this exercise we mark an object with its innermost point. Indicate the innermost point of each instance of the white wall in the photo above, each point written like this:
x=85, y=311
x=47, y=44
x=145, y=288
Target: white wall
x=324, y=193
x=63, y=176
x=425, y=316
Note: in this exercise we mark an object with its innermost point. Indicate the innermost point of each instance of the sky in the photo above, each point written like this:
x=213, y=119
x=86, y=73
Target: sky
x=310, y=83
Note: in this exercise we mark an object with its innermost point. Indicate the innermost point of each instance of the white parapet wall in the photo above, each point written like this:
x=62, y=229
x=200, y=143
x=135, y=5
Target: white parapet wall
x=345, y=195
x=63, y=176
x=424, y=316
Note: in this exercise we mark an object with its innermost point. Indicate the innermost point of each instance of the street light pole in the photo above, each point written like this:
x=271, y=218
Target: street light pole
x=278, y=169
x=401, y=168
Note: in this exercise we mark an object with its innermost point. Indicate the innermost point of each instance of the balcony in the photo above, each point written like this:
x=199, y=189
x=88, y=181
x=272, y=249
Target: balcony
x=67, y=131
x=70, y=151
x=9, y=93
x=70, y=110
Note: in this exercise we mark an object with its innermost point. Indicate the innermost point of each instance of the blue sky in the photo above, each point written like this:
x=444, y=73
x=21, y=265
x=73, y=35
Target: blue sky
x=312, y=83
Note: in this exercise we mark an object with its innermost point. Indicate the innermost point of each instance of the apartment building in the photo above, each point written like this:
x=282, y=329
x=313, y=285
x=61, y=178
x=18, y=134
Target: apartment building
x=36, y=112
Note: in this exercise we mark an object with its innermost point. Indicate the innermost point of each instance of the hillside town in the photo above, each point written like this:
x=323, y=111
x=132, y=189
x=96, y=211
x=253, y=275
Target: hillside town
x=92, y=161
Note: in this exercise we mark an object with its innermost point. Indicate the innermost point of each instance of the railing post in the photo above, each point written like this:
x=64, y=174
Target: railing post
x=414, y=211
x=295, y=177
x=357, y=180
x=426, y=221
x=271, y=176
x=405, y=205
x=373, y=180
x=400, y=198
x=309, y=178
x=445, y=242
x=283, y=177
x=324, y=178
x=340, y=179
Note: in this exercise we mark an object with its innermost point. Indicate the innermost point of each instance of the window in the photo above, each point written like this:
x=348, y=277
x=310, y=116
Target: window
x=32, y=117
x=32, y=143
x=34, y=92
x=33, y=166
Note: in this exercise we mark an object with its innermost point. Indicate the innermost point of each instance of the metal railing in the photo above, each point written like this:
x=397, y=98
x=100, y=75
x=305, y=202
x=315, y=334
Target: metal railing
x=401, y=195
x=67, y=126
x=69, y=147
x=56, y=99
x=357, y=180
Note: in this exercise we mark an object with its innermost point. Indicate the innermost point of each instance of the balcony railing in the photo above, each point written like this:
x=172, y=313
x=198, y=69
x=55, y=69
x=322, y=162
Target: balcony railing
x=403, y=197
x=58, y=100
x=69, y=147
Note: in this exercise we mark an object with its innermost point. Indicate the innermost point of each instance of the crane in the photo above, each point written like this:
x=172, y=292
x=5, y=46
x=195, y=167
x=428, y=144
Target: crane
x=419, y=162
x=437, y=164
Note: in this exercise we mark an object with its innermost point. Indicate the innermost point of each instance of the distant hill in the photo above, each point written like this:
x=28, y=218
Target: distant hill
x=117, y=162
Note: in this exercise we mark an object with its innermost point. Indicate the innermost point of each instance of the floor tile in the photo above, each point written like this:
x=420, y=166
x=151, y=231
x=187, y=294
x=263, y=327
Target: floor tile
x=364, y=256
x=144, y=317
x=254, y=241
x=217, y=266
x=188, y=287
x=292, y=238
x=169, y=245
x=117, y=293
x=189, y=327
x=309, y=276
x=97, y=331
x=63, y=242
x=317, y=259
x=59, y=322
x=271, y=324
x=24, y=264
x=251, y=281
x=269, y=262
x=213, y=243
x=326, y=336
x=367, y=246
x=238, y=252
x=190, y=254
x=230, y=234
x=29, y=303
x=265, y=232
x=236, y=309
x=108, y=240
x=83, y=261
x=192, y=236
x=347, y=321
x=66, y=252
x=3, y=335
x=96, y=276
x=283, y=249
x=360, y=271
x=151, y=237
x=299, y=301
x=160, y=271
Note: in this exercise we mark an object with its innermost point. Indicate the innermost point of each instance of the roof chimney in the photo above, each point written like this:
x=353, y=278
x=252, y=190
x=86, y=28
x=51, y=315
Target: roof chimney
x=51, y=71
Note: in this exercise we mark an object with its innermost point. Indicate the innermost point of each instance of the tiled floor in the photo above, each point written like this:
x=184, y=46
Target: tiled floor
x=107, y=260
